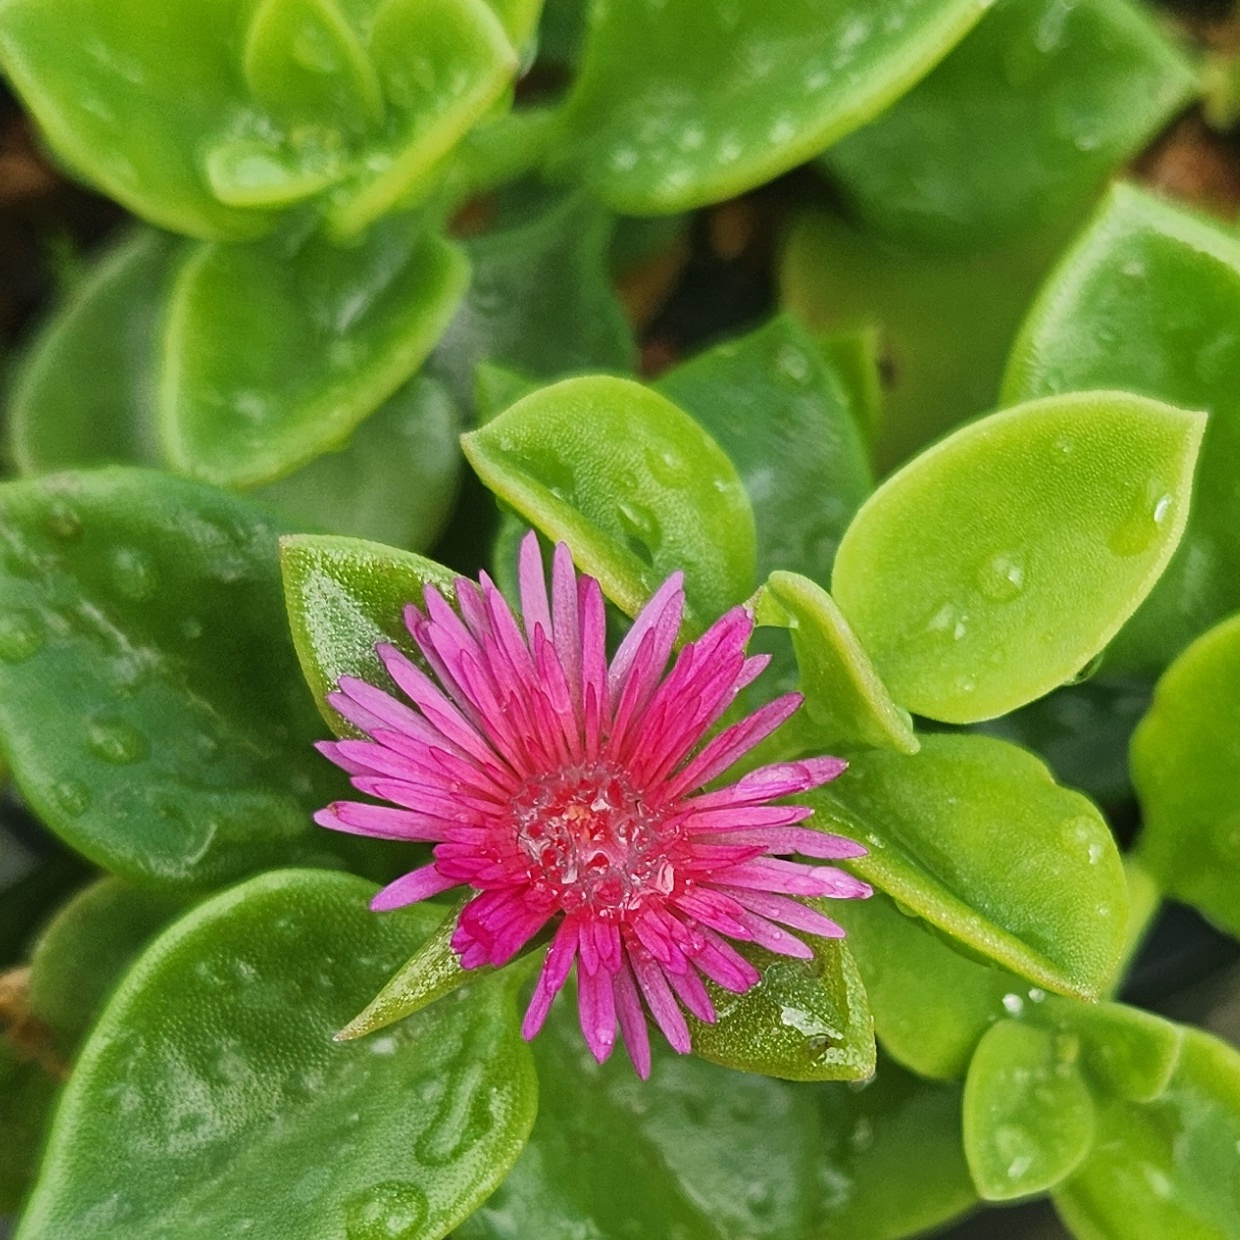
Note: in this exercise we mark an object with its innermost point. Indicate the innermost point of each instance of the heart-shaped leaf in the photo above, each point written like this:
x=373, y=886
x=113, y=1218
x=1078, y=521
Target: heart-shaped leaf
x=149, y=704
x=1186, y=768
x=974, y=836
x=1017, y=127
x=701, y=1152
x=807, y=1020
x=846, y=704
x=85, y=394
x=276, y=351
x=1142, y=302
x=249, y=1116
x=1166, y=1170
x=631, y=483
x=995, y=565
x=674, y=106
x=344, y=596
x=773, y=403
x=1028, y=1115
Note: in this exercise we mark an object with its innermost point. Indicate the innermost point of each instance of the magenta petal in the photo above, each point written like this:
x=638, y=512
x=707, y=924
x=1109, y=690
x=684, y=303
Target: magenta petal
x=632, y=1021
x=596, y=1005
x=412, y=887
x=555, y=971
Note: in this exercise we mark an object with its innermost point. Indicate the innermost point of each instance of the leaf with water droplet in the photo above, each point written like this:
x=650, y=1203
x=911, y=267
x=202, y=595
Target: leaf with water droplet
x=1009, y=134
x=1168, y=1169
x=343, y=596
x=276, y=351
x=1186, y=769
x=573, y=460
x=1028, y=1114
x=1147, y=300
x=675, y=107
x=103, y=700
x=994, y=566
x=846, y=704
x=973, y=835
x=244, y=1101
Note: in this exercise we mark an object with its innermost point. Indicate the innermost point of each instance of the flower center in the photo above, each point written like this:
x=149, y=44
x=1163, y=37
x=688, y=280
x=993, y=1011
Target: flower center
x=591, y=840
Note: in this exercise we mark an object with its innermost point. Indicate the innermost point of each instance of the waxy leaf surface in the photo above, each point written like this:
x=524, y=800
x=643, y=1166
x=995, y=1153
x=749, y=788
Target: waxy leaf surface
x=997, y=564
x=149, y=698
x=1144, y=301
x=974, y=836
x=276, y=351
x=1017, y=127
x=1186, y=768
x=676, y=106
x=634, y=486
x=249, y=1116
x=774, y=404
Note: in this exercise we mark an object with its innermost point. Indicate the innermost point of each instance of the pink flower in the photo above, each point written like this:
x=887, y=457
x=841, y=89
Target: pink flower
x=564, y=789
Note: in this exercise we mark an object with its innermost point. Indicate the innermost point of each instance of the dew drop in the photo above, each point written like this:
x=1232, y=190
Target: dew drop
x=1017, y=1147
x=1001, y=578
x=116, y=741
x=1143, y=524
x=21, y=635
x=71, y=797
x=392, y=1210
x=792, y=362
x=1013, y=1004
x=667, y=467
x=462, y=1119
x=63, y=522
x=134, y=574
x=1086, y=835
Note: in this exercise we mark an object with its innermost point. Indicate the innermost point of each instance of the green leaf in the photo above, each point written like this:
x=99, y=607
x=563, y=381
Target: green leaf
x=974, y=836
x=1018, y=126
x=149, y=700
x=996, y=565
x=432, y=972
x=773, y=403
x=1186, y=769
x=856, y=358
x=1166, y=1170
x=807, y=1020
x=394, y=482
x=85, y=393
x=343, y=596
x=85, y=949
x=944, y=323
x=127, y=100
x=1028, y=1115
x=631, y=483
x=846, y=704
x=675, y=107
x=701, y=1152
x=1141, y=302
x=541, y=300
x=441, y=64
x=276, y=351
x=27, y=1093
x=249, y=1116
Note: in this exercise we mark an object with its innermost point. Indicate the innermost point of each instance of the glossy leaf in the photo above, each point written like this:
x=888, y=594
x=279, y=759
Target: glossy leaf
x=944, y=324
x=773, y=403
x=85, y=394
x=1017, y=127
x=701, y=1152
x=1142, y=302
x=974, y=836
x=807, y=1020
x=241, y=1118
x=1166, y=1170
x=631, y=483
x=846, y=704
x=541, y=300
x=1028, y=1115
x=86, y=947
x=127, y=99
x=276, y=351
x=343, y=596
x=675, y=107
x=26, y=1095
x=1186, y=768
x=432, y=972
x=149, y=703
x=994, y=566
x=394, y=481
